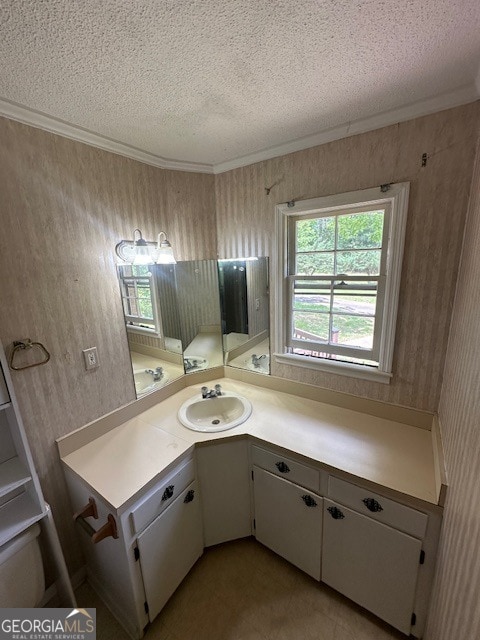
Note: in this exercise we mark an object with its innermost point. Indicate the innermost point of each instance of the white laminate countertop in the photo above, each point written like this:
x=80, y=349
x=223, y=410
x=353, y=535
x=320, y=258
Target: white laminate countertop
x=122, y=462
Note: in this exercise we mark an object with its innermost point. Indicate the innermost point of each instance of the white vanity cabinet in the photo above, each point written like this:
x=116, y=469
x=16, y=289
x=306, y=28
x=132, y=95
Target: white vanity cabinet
x=294, y=486
x=158, y=540
x=374, y=553
x=169, y=547
x=369, y=547
x=373, y=564
x=287, y=513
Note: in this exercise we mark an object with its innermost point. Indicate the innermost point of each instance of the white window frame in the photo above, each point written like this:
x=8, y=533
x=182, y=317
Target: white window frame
x=134, y=328
x=395, y=200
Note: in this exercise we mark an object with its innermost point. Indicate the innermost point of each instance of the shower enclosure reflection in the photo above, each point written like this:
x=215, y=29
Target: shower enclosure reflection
x=244, y=300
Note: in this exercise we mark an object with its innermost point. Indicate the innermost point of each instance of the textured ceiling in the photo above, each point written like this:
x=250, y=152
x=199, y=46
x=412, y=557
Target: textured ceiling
x=211, y=80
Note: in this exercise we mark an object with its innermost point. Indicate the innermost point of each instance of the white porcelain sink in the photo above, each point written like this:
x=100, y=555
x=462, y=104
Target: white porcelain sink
x=144, y=382
x=214, y=414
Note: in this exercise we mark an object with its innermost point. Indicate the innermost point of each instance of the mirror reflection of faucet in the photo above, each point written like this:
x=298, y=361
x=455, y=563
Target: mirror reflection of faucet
x=260, y=364
x=157, y=374
x=257, y=360
x=194, y=363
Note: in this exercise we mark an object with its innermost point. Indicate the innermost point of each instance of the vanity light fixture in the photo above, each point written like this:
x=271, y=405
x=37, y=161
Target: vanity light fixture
x=145, y=252
x=137, y=251
x=164, y=250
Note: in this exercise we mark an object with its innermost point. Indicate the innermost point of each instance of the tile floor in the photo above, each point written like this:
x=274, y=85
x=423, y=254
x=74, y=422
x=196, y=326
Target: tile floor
x=242, y=591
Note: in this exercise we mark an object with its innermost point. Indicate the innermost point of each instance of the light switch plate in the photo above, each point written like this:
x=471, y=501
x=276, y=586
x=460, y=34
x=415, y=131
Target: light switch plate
x=90, y=357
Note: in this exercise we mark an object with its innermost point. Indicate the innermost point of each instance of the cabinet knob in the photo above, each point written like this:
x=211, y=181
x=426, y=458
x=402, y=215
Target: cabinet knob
x=190, y=496
x=336, y=513
x=372, y=504
x=309, y=501
x=282, y=467
x=168, y=493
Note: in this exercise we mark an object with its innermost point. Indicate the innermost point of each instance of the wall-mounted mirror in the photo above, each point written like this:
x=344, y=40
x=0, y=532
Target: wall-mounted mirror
x=245, y=313
x=172, y=316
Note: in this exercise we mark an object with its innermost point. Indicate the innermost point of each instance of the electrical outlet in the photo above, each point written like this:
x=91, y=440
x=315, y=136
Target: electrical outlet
x=90, y=357
x=257, y=303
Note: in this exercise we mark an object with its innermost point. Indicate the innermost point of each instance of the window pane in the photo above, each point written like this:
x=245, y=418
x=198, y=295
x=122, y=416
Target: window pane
x=354, y=305
x=311, y=302
x=144, y=293
x=146, y=310
x=310, y=326
x=315, y=234
x=311, y=295
x=354, y=331
x=360, y=230
x=359, y=262
x=354, y=302
x=310, y=264
x=131, y=307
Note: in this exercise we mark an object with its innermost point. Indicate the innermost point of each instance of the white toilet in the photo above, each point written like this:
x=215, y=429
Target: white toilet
x=22, y=581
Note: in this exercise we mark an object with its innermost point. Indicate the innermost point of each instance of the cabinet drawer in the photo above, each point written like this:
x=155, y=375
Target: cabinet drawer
x=378, y=507
x=286, y=468
x=160, y=498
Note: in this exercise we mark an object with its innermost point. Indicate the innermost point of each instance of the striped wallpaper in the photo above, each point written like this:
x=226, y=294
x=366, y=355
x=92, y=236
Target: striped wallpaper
x=198, y=297
x=64, y=206
x=438, y=203
x=455, y=608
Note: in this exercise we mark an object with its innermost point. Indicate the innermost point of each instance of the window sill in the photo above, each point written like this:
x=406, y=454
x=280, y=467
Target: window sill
x=339, y=368
x=143, y=331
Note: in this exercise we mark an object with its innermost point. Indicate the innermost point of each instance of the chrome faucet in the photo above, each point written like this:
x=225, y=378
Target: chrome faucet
x=157, y=374
x=213, y=393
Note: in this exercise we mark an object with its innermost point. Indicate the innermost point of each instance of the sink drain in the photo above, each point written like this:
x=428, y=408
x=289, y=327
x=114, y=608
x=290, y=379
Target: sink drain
x=215, y=421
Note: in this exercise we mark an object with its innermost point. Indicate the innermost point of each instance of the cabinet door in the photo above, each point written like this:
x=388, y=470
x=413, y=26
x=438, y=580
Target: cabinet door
x=370, y=563
x=169, y=547
x=225, y=484
x=288, y=520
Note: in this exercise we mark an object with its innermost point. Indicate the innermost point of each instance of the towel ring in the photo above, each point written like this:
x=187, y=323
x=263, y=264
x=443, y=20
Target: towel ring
x=27, y=344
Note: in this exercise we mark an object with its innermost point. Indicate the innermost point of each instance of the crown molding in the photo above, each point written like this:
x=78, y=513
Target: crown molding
x=40, y=120
x=463, y=95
